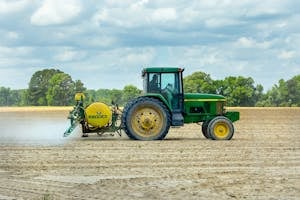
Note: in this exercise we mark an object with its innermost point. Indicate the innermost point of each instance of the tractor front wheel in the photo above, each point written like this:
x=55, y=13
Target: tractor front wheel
x=146, y=118
x=204, y=129
x=220, y=128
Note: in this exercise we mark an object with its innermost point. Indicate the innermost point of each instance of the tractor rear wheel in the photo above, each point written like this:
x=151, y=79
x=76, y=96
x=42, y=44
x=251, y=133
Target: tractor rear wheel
x=146, y=118
x=220, y=128
x=204, y=129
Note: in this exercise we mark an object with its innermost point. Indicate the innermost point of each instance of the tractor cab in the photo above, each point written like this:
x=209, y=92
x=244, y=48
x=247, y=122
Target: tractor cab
x=166, y=85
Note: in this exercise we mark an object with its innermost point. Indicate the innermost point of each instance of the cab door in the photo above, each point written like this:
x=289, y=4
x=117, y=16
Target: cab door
x=171, y=89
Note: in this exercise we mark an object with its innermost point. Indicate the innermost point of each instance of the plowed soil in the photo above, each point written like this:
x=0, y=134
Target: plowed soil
x=262, y=161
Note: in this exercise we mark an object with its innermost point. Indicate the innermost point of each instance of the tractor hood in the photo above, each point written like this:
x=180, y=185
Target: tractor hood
x=203, y=97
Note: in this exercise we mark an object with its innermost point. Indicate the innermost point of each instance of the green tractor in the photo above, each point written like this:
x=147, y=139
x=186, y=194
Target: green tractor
x=163, y=104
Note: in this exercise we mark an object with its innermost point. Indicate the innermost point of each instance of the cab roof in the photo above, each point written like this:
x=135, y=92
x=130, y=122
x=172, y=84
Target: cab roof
x=161, y=70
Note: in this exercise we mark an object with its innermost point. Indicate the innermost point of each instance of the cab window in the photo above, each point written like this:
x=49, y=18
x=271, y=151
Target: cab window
x=154, y=85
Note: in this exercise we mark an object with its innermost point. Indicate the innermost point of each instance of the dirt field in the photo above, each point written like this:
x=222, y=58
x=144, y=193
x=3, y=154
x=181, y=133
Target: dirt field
x=262, y=161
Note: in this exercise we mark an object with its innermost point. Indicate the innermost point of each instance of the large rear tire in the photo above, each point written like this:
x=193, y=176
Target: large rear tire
x=220, y=128
x=146, y=118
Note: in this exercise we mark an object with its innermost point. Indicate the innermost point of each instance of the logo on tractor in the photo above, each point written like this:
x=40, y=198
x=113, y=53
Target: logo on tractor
x=98, y=115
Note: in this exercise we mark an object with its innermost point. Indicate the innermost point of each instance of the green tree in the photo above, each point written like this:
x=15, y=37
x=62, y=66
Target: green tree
x=104, y=95
x=258, y=94
x=15, y=97
x=219, y=86
x=199, y=82
x=39, y=85
x=130, y=92
x=79, y=86
x=10, y=97
x=240, y=91
x=293, y=86
x=23, y=97
x=61, y=90
x=285, y=93
x=90, y=96
x=4, y=96
x=272, y=97
x=116, y=96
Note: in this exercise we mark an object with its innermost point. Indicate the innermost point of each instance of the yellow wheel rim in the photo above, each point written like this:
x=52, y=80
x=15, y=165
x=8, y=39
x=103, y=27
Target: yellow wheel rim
x=147, y=122
x=221, y=130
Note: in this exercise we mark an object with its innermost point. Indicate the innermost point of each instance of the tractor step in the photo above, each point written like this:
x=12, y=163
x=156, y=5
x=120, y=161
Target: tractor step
x=177, y=119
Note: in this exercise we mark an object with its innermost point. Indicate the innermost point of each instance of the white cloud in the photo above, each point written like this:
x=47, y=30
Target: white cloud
x=281, y=24
x=12, y=35
x=245, y=42
x=68, y=55
x=17, y=57
x=139, y=4
x=15, y=51
x=199, y=55
x=265, y=8
x=118, y=3
x=112, y=17
x=164, y=14
x=221, y=22
x=286, y=55
x=134, y=15
x=102, y=41
x=121, y=58
x=8, y=37
x=53, y=12
x=138, y=58
x=9, y=6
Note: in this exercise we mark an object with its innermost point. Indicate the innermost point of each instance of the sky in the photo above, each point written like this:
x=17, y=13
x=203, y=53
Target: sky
x=106, y=44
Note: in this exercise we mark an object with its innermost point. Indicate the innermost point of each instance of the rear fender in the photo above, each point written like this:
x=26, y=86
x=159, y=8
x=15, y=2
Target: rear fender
x=161, y=98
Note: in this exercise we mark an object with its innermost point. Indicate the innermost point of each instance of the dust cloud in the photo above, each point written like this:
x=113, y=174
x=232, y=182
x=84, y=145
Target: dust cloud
x=34, y=127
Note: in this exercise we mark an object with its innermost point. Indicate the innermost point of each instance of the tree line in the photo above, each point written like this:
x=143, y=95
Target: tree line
x=242, y=91
x=52, y=87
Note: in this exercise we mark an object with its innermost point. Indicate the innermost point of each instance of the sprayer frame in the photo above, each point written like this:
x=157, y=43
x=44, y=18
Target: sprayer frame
x=113, y=126
x=77, y=115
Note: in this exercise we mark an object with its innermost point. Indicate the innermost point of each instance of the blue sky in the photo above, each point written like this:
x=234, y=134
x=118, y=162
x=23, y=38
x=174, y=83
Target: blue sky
x=106, y=44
